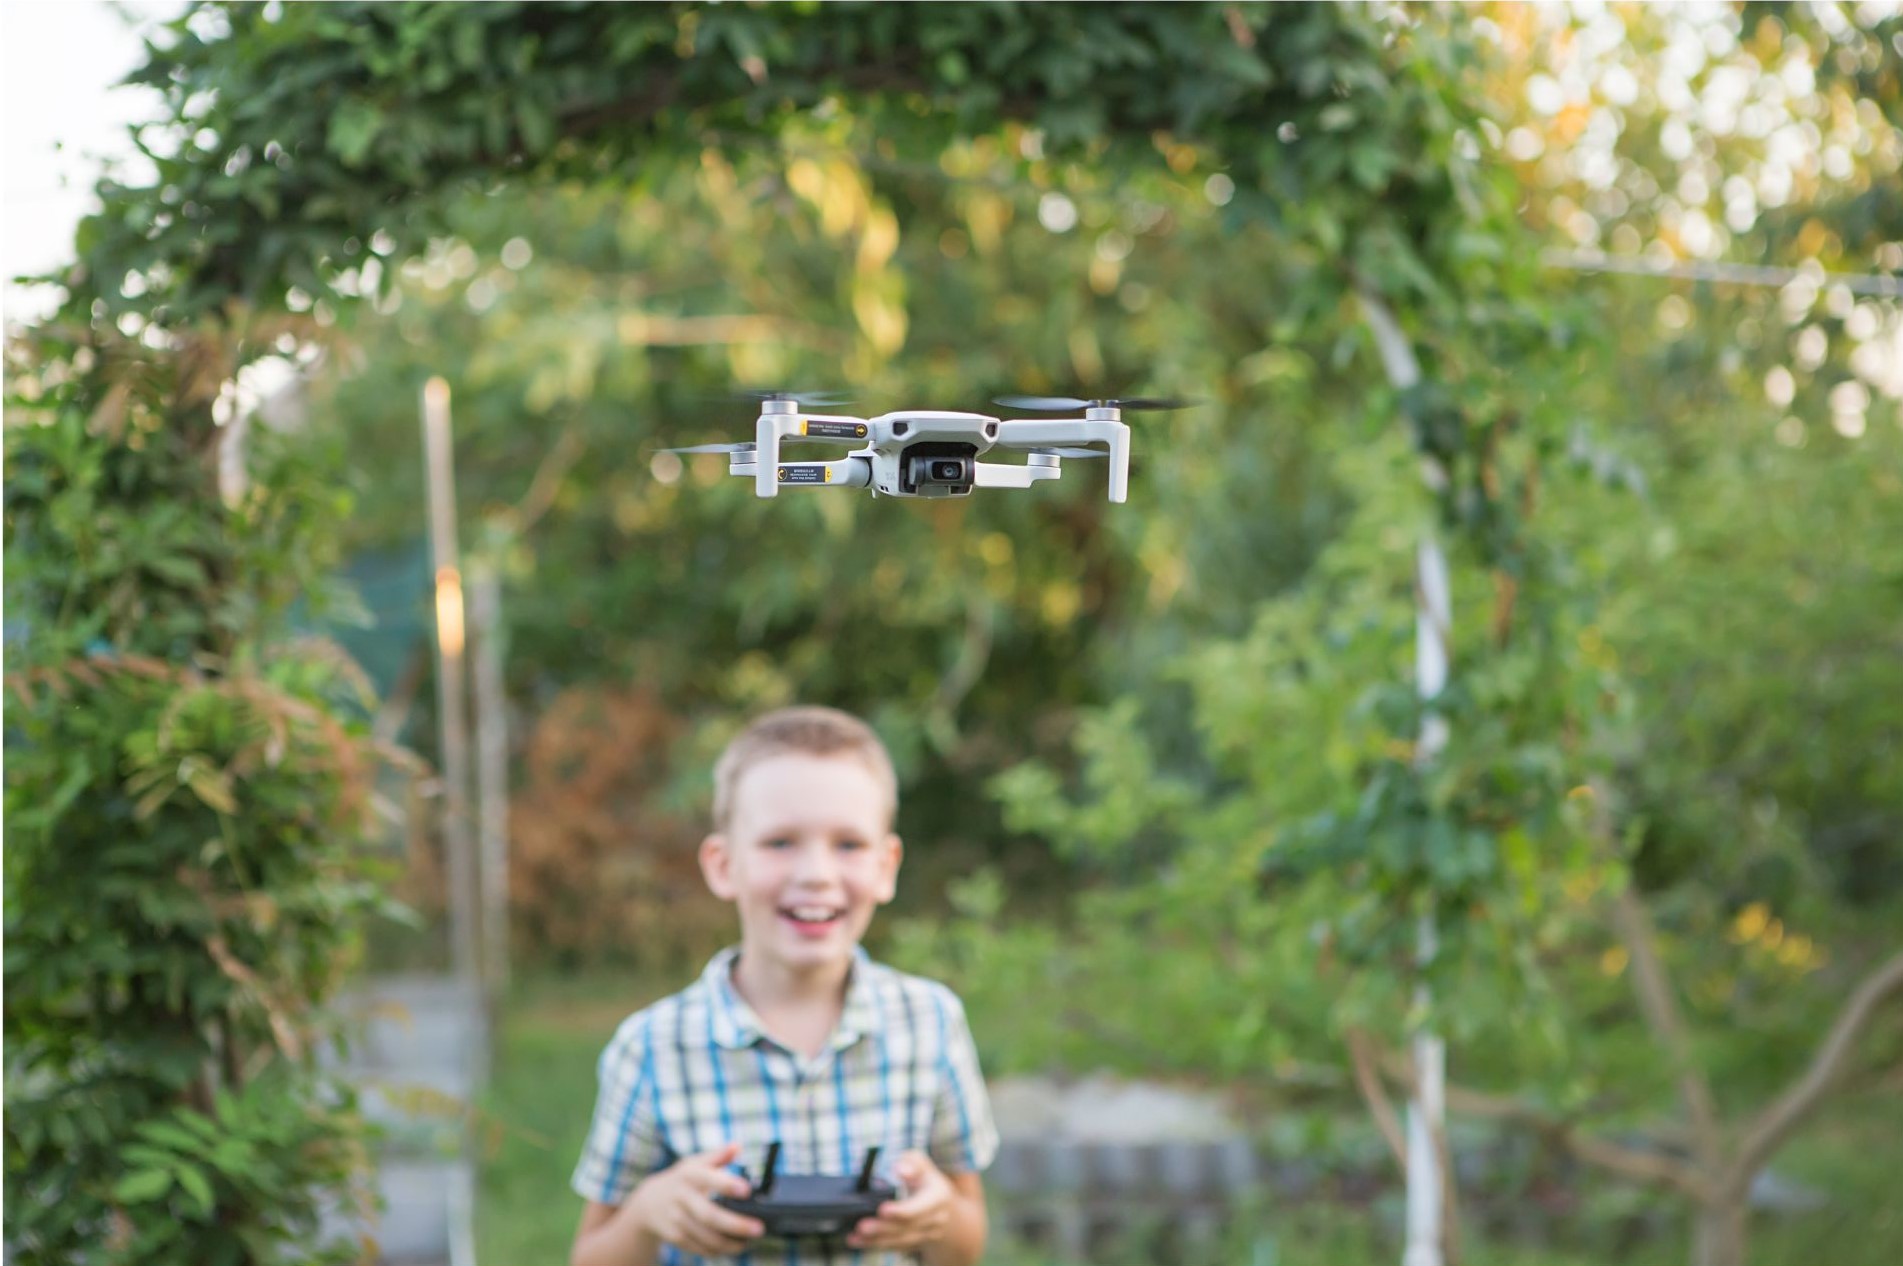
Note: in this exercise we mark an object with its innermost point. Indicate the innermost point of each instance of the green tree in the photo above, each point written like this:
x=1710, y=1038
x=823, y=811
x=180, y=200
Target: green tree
x=1731, y=773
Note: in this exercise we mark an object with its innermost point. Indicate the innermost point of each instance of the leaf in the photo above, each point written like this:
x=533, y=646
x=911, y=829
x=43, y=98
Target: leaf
x=353, y=128
x=143, y=1185
x=152, y=801
x=172, y=1135
x=213, y=786
x=203, y=1124
x=180, y=569
x=194, y=1182
x=536, y=126
x=1337, y=117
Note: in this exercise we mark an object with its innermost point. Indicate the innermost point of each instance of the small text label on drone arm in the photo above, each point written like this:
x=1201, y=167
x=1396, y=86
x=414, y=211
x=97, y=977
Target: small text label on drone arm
x=834, y=430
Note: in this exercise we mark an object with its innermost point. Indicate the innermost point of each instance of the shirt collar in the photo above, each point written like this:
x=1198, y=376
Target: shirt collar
x=737, y=1026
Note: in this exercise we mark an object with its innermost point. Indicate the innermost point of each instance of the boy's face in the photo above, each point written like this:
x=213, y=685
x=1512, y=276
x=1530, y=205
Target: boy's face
x=807, y=856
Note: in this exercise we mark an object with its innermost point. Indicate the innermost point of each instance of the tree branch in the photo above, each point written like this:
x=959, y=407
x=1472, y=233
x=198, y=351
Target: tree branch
x=1789, y=1109
x=1658, y=1003
x=1449, y=1186
x=568, y=447
x=973, y=654
x=1375, y=1095
x=1629, y=1162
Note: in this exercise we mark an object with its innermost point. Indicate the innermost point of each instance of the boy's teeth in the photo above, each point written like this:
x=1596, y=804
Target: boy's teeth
x=811, y=914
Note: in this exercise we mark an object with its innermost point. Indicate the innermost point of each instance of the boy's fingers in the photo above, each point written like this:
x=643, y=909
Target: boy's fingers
x=910, y=1207
x=726, y=1222
x=708, y=1172
x=720, y=1182
x=709, y=1244
x=725, y=1154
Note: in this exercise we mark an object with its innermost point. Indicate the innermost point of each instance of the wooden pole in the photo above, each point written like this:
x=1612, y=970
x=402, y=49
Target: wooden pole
x=492, y=774
x=452, y=712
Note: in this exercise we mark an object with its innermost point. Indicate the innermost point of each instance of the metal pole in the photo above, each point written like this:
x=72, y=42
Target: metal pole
x=492, y=774
x=1433, y=627
x=452, y=712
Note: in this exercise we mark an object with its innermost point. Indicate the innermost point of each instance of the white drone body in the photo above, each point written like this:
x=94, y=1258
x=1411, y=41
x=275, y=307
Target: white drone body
x=925, y=452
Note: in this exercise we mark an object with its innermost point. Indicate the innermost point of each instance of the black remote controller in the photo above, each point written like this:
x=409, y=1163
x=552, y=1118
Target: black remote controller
x=817, y=1205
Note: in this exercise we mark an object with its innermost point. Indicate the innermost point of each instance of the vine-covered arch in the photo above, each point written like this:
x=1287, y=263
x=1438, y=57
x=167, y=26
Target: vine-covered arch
x=222, y=787
x=306, y=141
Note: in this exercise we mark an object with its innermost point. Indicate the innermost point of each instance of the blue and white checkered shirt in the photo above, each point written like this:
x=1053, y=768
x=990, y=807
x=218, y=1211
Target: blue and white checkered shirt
x=696, y=1069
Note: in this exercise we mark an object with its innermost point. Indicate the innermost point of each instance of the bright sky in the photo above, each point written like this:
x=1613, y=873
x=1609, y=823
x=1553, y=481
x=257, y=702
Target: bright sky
x=59, y=116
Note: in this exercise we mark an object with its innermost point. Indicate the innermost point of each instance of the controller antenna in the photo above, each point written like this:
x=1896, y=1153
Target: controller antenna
x=772, y=1163
x=865, y=1171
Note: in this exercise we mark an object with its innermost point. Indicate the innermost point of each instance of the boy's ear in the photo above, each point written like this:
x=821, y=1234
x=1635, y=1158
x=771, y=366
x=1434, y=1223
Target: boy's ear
x=894, y=854
x=716, y=866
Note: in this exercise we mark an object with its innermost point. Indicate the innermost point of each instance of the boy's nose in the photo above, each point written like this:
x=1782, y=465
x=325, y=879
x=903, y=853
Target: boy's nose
x=817, y=867
x=815, y=862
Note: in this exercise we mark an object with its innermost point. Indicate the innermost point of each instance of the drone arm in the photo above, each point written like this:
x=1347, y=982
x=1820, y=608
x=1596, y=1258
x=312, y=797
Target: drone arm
x=776, y=426
x=847, y=472
x=1029, y=432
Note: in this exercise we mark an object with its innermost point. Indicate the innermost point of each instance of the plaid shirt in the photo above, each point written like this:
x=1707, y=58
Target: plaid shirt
x=696, y=1069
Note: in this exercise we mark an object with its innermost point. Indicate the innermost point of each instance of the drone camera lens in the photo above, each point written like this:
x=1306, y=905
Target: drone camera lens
x=949, y=472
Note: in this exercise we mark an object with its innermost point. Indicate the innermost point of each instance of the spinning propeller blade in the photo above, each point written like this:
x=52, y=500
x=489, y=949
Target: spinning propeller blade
x=749, y=446
x=713, y=448
x=1043, y=404
x=1069, y=452
x=798, y=397
x=1064, y=404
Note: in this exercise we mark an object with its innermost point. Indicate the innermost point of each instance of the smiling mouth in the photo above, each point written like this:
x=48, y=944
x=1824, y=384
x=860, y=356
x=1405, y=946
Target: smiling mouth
x=812, y=916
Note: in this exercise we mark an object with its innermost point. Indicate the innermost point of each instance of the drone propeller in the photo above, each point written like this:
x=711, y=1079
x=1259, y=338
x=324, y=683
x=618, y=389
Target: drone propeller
x=1069, y=452
x=1064, y=404
x=749, y=446
x=798, y=397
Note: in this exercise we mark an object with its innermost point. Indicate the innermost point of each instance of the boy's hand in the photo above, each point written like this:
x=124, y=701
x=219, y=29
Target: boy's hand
x=677, y=1204
x=921, y=1218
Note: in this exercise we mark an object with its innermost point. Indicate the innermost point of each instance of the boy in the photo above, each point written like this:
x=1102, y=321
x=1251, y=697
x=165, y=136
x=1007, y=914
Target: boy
x=796, y=1036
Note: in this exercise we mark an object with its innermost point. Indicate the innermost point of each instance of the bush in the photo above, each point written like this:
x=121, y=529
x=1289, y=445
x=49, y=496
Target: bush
x=187, y=793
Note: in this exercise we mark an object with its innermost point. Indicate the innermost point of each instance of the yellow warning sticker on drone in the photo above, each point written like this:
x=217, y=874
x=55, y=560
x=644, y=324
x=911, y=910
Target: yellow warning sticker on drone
x=804, y=473
x=833, y=430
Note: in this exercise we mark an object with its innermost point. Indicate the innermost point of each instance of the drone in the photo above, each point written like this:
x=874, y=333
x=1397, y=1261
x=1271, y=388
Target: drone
x=930, y=453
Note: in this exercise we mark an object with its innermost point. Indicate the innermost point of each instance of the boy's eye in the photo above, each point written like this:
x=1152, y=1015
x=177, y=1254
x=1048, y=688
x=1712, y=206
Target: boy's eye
x=851, y=842
x=778, y=841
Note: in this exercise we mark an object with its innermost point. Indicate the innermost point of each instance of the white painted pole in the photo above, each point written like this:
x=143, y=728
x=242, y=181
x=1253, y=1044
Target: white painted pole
x=1433, y=627
x=451, y=701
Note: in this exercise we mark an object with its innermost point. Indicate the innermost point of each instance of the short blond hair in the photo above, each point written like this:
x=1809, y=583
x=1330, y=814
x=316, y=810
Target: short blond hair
x=808, y=731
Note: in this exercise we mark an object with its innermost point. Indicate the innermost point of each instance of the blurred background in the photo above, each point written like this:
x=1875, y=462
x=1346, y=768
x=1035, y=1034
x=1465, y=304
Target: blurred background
x=1161, y=832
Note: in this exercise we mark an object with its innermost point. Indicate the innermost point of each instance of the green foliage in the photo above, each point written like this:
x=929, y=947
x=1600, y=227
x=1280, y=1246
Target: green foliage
x=297, y=136
x=1684, y=609
x=186, y=799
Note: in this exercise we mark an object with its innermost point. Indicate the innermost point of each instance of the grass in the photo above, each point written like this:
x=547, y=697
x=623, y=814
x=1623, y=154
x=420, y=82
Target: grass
x=537, y=1107
x=536, y=1111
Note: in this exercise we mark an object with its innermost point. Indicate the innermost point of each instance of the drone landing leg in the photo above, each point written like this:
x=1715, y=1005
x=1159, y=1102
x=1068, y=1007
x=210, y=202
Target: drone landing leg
x=1027, y=432
x=774, y=424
